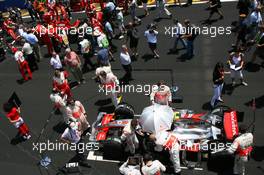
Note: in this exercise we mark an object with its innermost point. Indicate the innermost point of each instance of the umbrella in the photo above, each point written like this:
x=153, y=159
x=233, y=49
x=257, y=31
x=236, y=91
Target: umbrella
x=156, y=118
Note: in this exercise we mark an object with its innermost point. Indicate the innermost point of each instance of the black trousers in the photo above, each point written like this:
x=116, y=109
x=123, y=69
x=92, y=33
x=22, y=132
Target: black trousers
x=87, y=60
x=31, y=59
x=128, y=74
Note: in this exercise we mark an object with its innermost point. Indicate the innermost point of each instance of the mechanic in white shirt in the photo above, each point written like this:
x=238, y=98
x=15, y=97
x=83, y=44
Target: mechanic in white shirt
x=126, y=64
x=241, y=147
x=59, y=101
x=130, y=167
x=109, y=82
x=72, y=134
x=168, y=141
x=151, y=35
x=161, y=94
x=30, y=56
x=152, y=167
x=129, y=136
x=55, y=61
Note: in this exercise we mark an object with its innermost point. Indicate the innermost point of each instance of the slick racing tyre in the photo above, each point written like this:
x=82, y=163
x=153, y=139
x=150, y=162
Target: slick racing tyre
x=113, y=148
x=124, y=111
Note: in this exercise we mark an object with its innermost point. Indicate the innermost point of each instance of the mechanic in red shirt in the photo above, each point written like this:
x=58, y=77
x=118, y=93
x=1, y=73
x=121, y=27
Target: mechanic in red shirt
x=13, y=114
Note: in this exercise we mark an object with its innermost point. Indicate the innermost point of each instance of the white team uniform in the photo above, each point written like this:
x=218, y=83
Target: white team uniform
x=161, y=95
x=129, y=135
x=78, y=112
x=242, y=146
x=129, y=169
x=109, y=83
x=154, y=168
x=169, y=142
x=60, y=103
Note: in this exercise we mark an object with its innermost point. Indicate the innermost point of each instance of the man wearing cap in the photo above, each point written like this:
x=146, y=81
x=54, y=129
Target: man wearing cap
x=168, y=141
x=22, y=64
x=242, y=147
x=73, y=62
x=161, y=94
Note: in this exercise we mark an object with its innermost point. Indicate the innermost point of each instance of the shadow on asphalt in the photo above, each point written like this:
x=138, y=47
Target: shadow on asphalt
x=207, y=106
x=17, y=140
x=259, y=102
x=103, y=102
x=258, y=153
x=252, y=67
x=60, y=127
x=147, y=57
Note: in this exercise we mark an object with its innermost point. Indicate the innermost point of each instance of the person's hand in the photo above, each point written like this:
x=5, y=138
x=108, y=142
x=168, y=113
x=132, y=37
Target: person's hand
x=18, y=110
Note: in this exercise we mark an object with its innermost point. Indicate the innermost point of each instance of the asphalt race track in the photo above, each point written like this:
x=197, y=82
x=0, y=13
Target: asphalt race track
x=193, y=77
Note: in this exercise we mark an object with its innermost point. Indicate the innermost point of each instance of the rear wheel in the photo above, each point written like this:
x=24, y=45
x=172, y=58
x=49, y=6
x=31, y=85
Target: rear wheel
x=113, y=148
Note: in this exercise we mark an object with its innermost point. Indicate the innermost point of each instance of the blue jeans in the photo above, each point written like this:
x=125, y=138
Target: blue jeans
x=177, y=39
x=189, y=52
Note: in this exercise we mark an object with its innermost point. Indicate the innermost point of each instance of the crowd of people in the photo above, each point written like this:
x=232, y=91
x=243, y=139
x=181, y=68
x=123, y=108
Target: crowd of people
x=102, y=27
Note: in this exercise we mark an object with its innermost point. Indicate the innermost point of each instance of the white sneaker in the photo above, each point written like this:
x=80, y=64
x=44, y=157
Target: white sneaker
x=121, y=37
x=221, y=100
x=244, y=83
x=26, y=137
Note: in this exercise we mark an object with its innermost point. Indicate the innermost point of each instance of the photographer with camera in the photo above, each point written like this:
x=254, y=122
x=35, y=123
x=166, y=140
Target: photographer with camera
x=131, y=166
x=151, y=34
